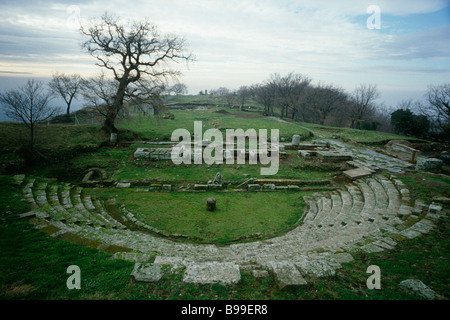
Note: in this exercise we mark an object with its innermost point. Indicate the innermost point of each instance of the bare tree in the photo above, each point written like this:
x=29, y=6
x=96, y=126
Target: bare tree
x=243, y=94
x=29, y=104
x=362, y=102
x=222, y=91
x=99, y=94
x=67, y=87
x=266, y=95
x=132, y=52
x=289, y=94
x=230, y=98
x=179, y=88
x=438, y=109
x=321, y=100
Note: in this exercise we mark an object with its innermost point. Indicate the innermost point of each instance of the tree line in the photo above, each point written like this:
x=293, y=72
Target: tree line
x=137, y=66
x=294, y=96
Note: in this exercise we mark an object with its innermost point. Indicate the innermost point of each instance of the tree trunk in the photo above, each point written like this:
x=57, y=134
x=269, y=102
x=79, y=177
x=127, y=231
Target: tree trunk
x=113, y=111
x=32, y=136
x=108, y=125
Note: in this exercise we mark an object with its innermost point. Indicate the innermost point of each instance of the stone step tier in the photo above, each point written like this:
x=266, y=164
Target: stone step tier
x=370, y=214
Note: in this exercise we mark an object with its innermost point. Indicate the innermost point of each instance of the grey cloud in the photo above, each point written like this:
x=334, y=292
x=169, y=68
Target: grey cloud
x=429, y=44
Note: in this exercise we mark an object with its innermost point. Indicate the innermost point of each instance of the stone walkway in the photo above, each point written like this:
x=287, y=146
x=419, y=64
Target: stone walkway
x=369, y=214
x=367, y=156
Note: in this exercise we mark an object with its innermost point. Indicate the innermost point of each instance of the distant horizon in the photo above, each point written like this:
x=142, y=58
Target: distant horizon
x=402, y=47
x=8, y=83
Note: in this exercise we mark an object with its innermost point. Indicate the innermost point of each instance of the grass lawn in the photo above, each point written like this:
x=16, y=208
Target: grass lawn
x=33, y=266
x=361, y=136
x=238, y=214
x=154, y=128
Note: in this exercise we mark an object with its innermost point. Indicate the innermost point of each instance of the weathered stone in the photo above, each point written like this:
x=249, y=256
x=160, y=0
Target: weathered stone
x=200, y=187
x=218, y=178
x=304, y=154
x=269, y=187
x=418, y=288
x=434, y=208
x=286, y=275
x=317, y=268
x=18, y=179
x=141, y=153
x=293, y=188
x=113, y=138
x=410, y=233
x=132, y=256
x=155, y=186
x=342, y=257
x=356, y=173
x=153, y=153
x=214, y=186
x=444, y=200
x=371, y=248
x=147, y=272
x=254, y=187
x=296, y=140
x=429, y=164
x=334, y=156
x=211, y=204
x=212, y=272
x=123, y=185
x=260, y=274
x=167, y=187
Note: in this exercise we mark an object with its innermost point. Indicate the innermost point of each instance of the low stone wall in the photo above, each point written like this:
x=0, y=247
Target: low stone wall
x=405, y=152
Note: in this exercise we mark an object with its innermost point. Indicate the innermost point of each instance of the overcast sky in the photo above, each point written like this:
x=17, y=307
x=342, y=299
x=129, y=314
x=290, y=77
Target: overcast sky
x=245, y=41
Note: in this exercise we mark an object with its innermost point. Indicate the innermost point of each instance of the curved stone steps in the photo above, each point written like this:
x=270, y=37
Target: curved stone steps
x=66, y=204
x=361, y=216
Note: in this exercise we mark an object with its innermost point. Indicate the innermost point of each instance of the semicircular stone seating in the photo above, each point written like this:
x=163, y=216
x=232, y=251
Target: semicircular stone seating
x=370, y=214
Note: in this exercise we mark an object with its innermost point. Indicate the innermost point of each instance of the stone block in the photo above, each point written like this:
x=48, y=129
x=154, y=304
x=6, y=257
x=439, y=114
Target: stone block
x=211, y=204
x=316, y=269
x=334, y=156
x=286, y=275
x=429, y=164
x=200, y=187
x=155, y=186
x=418, y=288
x=147, y=272
x=260, y=274
x=356, y=173
x=296, y=140
x=254, y=187
x=226, y=273
x=214, y=186
x=269, y=187
x=123, y=185
x=18, y=179
x=141, y=153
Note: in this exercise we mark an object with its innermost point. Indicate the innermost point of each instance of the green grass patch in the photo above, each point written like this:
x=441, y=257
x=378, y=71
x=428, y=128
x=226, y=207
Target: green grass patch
x=238, y=214
x=361, y=136
x=154, y=128
x=33, y=266
x=425, y=186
